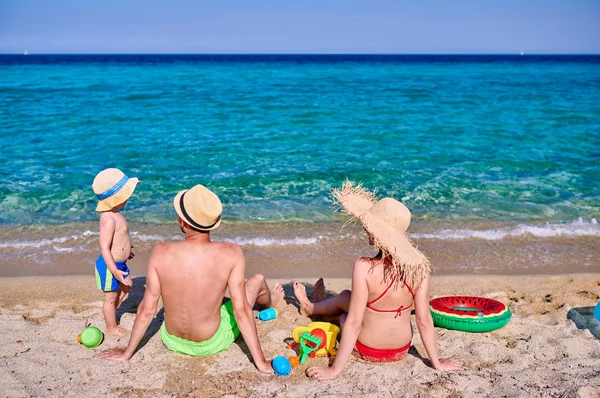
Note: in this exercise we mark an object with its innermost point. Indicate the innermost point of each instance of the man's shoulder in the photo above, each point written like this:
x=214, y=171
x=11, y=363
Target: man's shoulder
x=228, y=247
x=163, y=247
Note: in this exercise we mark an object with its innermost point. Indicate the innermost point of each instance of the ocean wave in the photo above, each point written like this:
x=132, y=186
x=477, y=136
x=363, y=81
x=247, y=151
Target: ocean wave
x=35, y=243
x=85, y=239
x=63, y=249
x=575, y=229
x=261, y=241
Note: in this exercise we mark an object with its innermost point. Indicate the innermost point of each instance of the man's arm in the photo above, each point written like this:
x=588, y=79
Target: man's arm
x=243, y=312
x=145, y=313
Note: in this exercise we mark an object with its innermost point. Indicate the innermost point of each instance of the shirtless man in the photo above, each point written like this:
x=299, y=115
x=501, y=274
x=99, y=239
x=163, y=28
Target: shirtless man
x=192, y=277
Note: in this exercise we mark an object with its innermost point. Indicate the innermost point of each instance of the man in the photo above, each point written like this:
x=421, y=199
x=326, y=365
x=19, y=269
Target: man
x=191, y=277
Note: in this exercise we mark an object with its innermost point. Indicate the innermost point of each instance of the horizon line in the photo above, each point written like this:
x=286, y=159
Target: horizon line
x=320, y=53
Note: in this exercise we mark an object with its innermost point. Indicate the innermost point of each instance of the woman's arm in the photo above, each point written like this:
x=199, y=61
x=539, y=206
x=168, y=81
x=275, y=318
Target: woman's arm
x=426, y=330
x=352, y=326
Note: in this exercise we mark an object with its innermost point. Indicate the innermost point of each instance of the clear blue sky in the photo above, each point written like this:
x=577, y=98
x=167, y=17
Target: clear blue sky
x=300, y=26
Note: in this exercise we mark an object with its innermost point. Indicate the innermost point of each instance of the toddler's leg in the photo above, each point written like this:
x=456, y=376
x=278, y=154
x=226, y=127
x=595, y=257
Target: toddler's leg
x=109, y=312
x=123, y=294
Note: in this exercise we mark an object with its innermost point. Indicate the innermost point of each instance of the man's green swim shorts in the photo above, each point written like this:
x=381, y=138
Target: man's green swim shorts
x=227, y=332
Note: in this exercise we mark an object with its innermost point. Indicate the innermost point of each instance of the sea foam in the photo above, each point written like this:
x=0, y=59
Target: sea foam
x=575, y=229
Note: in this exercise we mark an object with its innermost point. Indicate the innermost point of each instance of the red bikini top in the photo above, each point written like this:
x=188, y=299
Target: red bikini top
x=399, y=310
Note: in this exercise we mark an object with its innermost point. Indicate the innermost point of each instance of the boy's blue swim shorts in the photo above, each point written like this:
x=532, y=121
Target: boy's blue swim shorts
x=104, y=278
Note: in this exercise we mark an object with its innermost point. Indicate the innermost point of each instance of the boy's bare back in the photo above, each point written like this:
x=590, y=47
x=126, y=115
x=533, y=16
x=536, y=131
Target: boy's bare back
x=114, y=231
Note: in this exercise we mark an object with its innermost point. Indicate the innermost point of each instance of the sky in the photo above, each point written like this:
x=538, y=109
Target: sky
x=301, y=26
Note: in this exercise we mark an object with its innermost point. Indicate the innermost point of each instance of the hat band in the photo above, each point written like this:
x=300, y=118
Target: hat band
x=115, y=188
x=189, y=220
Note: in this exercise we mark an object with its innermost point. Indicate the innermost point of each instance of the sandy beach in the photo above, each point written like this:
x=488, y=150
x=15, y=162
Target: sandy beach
x=540, y=353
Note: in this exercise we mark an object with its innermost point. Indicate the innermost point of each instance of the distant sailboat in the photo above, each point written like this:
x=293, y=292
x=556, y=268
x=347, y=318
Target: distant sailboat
x=522, y=53
x=25, y=52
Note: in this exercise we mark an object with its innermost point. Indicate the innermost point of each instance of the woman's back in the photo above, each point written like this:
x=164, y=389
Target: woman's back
x=386, y=322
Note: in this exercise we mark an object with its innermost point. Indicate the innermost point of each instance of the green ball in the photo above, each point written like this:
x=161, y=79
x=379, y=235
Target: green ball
x=91, y=337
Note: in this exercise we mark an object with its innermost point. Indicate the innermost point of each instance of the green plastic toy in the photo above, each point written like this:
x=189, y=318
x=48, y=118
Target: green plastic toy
x=305, y=348
x=91, y=337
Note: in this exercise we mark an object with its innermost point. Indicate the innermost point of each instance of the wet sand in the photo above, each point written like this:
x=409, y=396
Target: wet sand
x=303, y=250
x=541, y=352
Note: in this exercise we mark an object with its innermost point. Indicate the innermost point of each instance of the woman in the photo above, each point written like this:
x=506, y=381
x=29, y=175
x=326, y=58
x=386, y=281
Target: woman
x=375, y=315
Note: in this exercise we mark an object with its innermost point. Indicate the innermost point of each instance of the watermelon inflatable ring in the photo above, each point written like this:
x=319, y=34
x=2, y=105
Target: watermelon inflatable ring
x=469, y=314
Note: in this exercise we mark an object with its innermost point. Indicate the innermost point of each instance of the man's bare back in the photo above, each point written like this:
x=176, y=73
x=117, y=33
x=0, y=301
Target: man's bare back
x=193, y=278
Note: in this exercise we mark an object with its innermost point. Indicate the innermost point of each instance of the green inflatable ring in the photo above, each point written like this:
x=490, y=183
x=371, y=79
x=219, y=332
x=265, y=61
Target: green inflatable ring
x=469, y=314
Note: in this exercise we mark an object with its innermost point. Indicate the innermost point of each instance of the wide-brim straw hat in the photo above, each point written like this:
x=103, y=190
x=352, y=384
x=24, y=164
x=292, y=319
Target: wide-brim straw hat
x=387, y=221
x=112, y=187
x=199, y=207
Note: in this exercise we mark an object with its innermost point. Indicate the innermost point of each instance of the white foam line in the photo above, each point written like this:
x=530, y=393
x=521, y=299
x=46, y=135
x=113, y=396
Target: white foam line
x=574, y=229
x=35, y=243
x=273, y=242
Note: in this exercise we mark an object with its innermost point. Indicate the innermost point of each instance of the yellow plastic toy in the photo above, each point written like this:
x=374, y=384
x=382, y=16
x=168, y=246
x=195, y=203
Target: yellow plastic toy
x=331, y=331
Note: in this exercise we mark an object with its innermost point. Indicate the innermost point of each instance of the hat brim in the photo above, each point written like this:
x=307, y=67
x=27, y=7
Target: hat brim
x=177, y=205
x=407, y=260
x=121, y=196
x=395, y=242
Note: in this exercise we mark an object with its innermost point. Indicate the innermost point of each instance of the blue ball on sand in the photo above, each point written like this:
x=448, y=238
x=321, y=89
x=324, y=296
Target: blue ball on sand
x=281, y=366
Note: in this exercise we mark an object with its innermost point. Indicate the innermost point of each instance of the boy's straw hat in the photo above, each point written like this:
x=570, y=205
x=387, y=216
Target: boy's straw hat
x=387, y=221
x=199, y=207
x=112, y=187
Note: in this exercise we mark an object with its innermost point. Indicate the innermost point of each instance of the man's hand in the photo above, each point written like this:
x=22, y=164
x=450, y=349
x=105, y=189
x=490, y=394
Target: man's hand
x=265, y=367
x=114, y=354
x=125, y=279
x=320, y=373
x=449, y=364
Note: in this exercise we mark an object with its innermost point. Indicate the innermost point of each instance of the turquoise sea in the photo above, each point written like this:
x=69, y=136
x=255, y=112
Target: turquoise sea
x=491, y=145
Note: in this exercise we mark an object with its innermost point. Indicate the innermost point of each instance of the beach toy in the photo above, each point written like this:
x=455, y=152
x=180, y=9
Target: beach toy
x=469, y=314
x=281, y=366
x=293, y=361
x=267, y=314
x=309, y=344
x=597, y=312
x=90, y=337
x=331, y=332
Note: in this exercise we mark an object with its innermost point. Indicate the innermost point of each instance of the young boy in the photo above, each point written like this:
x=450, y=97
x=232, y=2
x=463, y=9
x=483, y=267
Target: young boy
x=113, y=188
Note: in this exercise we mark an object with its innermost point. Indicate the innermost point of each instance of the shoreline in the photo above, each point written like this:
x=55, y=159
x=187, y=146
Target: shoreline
x=297, y=250
x=541, y=352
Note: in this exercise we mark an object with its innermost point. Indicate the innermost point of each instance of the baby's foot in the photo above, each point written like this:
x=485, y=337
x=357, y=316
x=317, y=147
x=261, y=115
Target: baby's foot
x=319, y=291
x=117, y=332
x=306, y=307
x=277, y=301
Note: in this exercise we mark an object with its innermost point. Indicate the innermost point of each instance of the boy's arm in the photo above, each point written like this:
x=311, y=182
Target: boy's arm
x=107, y=232
x=145, y=313
x=243, y=312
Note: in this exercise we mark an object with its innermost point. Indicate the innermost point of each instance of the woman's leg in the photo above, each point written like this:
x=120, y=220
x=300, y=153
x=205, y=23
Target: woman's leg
x=331, y=307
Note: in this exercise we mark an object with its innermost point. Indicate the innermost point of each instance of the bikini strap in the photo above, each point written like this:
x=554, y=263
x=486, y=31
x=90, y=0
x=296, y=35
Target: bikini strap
x=408, y=287
x=382, y=294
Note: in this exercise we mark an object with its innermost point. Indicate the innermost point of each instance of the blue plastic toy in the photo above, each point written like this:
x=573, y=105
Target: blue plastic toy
x=267, y=314
x=597, y=312
x=281, y=366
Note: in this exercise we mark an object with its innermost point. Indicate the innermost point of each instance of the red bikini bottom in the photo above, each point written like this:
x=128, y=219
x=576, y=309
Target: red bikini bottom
x=379, y=355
